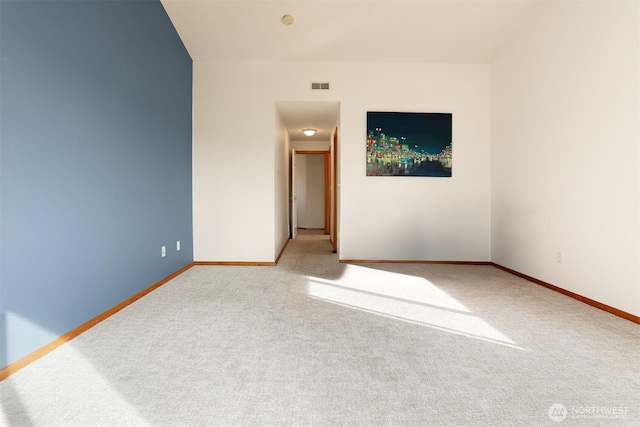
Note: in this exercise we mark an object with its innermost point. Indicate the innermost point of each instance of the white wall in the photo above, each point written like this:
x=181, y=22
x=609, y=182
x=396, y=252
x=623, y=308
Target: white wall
x=396, y=218
x=310, y=145
x=417, y=218
x=565, y=157
x=281, y=180
x=233, y=164
x=301, y=190
x=315, y=191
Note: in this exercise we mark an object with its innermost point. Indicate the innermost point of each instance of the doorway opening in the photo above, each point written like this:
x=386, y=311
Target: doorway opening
x=318, y=155
x=312, y=191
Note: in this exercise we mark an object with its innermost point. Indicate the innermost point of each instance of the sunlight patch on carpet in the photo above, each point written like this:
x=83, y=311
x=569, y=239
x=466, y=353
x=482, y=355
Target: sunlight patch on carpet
x=404, y=297
x=22, y=403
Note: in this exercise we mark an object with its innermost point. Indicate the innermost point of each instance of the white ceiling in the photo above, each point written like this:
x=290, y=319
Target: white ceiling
x=459, y=31
x=324, y=116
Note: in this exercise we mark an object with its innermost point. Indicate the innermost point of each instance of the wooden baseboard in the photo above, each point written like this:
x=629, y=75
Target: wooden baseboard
x=37, y=354
x=30, y=358
x=589, y=301
x=628, y=316
x=395, y=261
x=237, y=263
x=282, y=250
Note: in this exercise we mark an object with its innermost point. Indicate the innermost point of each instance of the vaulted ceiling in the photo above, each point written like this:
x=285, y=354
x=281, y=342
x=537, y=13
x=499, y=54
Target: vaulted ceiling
x=458, y=31
x=348, y=30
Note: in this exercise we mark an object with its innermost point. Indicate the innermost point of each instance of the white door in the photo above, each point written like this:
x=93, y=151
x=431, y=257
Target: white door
x=294, y=196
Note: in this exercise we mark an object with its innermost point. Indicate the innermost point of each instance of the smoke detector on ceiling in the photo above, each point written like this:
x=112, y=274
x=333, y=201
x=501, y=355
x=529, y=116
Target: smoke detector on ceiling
x=287, y=19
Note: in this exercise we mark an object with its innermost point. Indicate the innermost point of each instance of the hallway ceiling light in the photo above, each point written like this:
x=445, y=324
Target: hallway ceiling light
x=309, y=132
x=287, y=19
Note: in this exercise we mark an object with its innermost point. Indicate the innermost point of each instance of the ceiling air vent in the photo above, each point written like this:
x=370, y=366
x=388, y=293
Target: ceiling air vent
x=320, y=86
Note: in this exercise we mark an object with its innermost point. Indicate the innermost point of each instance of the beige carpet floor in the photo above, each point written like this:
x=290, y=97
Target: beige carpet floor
x=312, y=342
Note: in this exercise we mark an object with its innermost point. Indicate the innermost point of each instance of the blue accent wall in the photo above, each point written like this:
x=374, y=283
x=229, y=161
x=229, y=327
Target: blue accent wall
x=95, y=161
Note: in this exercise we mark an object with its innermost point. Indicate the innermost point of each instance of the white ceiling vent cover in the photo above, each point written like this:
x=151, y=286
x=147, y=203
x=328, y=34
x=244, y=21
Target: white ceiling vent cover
x=319, y=85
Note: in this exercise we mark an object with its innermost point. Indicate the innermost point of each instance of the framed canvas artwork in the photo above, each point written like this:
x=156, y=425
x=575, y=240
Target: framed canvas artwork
x=409, y=144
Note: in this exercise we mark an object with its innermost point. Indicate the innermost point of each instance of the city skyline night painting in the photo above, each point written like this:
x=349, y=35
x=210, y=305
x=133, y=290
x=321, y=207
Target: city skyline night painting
x=409, y=144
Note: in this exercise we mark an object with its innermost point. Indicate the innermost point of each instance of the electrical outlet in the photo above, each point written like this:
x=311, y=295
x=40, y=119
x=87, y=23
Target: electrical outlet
x=178, y=245
x=559, y=257
x=164, y=251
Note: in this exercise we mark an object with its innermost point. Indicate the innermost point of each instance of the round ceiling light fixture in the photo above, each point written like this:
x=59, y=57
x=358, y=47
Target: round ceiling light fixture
x=309, y=132
x=287, y=19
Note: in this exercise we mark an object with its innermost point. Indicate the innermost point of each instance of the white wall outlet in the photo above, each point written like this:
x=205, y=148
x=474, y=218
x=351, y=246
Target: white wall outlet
x=178, y=245
x=559, y=257
x=164, y=251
